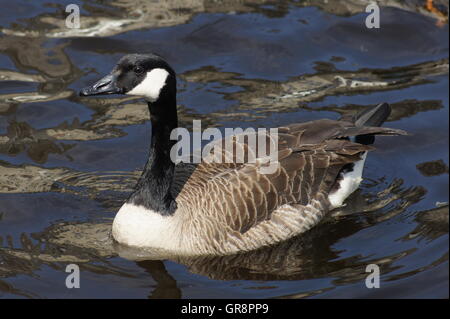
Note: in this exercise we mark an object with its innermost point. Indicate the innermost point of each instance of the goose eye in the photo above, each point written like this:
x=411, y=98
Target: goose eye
x=138, y=70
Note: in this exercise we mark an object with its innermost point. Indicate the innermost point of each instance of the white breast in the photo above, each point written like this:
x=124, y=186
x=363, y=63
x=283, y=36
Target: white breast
x=140, y=227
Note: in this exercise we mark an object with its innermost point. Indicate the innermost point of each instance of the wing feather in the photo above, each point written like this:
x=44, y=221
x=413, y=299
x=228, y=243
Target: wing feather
x=240, y=196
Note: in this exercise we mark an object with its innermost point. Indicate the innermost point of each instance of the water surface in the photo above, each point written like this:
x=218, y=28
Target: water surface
x=67, y=162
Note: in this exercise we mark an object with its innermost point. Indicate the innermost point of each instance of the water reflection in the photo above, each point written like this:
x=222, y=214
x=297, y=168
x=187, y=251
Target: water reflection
x=433, y=168
x=432, y=224
x=240, y=63
x=306, y=257
x=119, y=17
x=263, y=96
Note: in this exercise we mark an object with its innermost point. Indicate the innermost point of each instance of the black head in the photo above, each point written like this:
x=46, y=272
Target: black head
x=146, y=75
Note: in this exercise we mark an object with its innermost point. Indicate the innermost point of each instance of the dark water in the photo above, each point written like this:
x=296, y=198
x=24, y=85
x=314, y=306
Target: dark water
x=67, y=163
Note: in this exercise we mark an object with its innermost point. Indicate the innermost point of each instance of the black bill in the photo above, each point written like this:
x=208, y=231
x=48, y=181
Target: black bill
x=106, y=85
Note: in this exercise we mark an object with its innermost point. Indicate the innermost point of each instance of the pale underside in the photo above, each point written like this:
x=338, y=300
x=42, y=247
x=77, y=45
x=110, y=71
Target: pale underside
x=232, y=207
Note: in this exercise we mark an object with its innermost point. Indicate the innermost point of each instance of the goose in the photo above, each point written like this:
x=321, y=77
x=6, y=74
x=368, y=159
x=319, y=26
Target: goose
x=211, y=208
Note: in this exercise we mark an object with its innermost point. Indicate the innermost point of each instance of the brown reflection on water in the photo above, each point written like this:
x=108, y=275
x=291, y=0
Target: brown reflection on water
x=54, y=67
x=432, y=224
x=433, y=168
x=270, y=96
x=122, y=16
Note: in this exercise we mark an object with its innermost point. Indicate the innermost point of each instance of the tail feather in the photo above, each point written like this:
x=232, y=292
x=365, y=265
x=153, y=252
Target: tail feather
x=368, y=123
x=374, y=116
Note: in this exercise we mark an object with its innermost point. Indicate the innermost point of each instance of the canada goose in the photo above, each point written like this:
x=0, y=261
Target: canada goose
x=220, y=209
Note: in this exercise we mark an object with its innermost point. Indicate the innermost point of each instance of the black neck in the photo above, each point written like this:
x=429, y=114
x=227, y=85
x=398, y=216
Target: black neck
x=153, y=189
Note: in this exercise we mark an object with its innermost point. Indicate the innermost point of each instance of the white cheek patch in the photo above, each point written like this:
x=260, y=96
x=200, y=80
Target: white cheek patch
x=152, y=84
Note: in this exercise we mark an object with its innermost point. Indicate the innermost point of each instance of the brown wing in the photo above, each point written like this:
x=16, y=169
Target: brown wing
x=310, y=157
